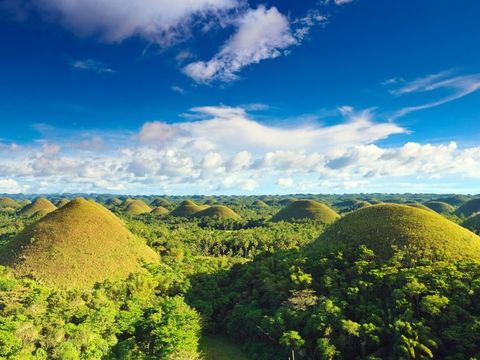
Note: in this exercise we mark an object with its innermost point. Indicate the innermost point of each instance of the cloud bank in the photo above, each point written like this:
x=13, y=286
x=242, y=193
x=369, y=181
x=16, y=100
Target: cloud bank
x=226, y=150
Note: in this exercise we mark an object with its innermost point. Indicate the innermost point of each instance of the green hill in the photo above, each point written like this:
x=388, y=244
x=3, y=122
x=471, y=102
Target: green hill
x=76, y=246
x=418, y=206
x=440, y=207
x=217, y=211
x=113, y=202
x=39, y=207
x=418, y=232
x=469, y=208
x=161, y=202
x=454, y=200
x=260, y=204
x=306, y=209
x=61, y=202
x=473, y=224
x=159, y=211
x=7, y=203
x=137, y=207
x=187, y=208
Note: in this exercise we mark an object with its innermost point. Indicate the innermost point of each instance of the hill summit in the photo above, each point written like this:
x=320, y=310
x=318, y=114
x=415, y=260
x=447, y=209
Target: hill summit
x=137, y=207
x=76, y=246
x=187, y=208
x=419, y=233
x=306, y=209
x=39, y=207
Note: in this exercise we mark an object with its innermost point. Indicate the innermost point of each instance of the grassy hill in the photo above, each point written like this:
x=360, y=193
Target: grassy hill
x=418, y=232
x=217, y=211
x=306, y=209
x=260, y=204
x=7, y=203
x=39, y=207
x=61, y=202
x=187, y=208
x=76, y=246
x=469, y=208
x=161, y=202
x=440, y=207
x=159, y=211
x=113, y=202
x=137, y=207
x=419, y=206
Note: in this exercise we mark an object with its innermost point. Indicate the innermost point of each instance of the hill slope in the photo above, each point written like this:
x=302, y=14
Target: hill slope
x=440, y=207
x=218, y=211
x=76, y=246
x=159, y=211
x=469, y=208
x=306, y=209
x=7, y=203
x=39, y=207
x=418, y=232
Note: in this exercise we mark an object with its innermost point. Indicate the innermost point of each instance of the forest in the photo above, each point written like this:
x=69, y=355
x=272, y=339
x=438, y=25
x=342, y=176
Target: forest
x=235, y=277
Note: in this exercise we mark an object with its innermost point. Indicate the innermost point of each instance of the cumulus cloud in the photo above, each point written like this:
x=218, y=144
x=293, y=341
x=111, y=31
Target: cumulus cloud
x=261, y=34
x=228, y=151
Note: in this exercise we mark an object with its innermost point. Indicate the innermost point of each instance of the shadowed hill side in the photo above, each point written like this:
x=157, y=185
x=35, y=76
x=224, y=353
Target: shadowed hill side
x=306, y=209
x=39, y=207
x=61, y=203
x=419, y=233
x=8, y=203
x=76, y=246
x=469, y=208
x=440, y=207
x=473, y=224
x=217, y=211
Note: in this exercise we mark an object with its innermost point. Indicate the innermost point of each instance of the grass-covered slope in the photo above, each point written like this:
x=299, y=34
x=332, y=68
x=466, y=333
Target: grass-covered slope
x=39, y=207
x=159, y=211
x=419, y=206
x=217, y=211
x=469, y=208
x=137, y=207
x=7, y=203
x=418, y=232
x=76, y=246
x=187, y=208
x=306, y=209
x=260, y=204
x=440, y=207
x=61, y=202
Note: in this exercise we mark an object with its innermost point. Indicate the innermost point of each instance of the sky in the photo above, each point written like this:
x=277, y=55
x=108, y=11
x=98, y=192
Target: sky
x=239, y=97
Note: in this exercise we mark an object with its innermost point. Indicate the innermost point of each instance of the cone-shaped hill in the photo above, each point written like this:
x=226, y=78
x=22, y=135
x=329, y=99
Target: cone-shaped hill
x=187, y=208
x=76, y=246
x=161, y=202
x=260, y=204
x=7, y=203
x=419, y=233
x=217, y=211
x=113, y=202
x=440, y=207
x=39, y=207
x=306, y=209
x=159, y=211
x=137, y=207
x=469, y=208
x=418, y=206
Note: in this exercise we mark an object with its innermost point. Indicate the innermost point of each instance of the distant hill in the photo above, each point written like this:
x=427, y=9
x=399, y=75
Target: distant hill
x=159, y=211
x=76, y=246
x=306, y=209
x=137, y=207
x=61, y=202
x=473, y=224
x=419, y=233
x=440, y=207
x=469, y=208
x=6, y=202
x=260, y=204
x=217, y=211
x=39, y=207
x=187, y=208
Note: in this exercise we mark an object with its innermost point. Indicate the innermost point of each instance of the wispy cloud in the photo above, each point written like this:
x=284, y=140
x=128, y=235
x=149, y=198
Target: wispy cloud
x=93, y=66
x=458, y=85
x=177, y=89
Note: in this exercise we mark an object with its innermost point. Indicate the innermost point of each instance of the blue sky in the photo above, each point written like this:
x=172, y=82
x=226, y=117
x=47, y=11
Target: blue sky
x=236, y=96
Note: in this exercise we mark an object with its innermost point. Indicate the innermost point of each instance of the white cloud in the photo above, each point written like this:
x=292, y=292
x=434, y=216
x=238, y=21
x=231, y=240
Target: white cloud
x=459, y=86
x=178, y=89
x=261, y=34
x=10, y=186
x=92, y=65
x=285, y=182
x=161, y=22
x=342, y=2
